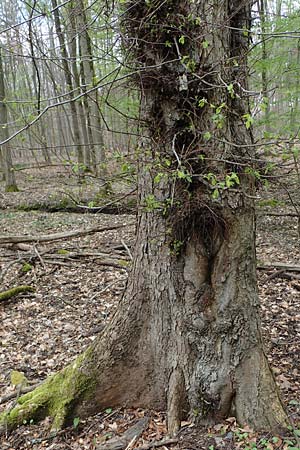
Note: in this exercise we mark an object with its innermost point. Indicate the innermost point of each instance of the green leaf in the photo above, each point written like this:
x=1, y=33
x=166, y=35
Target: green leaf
x=215, y=194
x=63, y=251
x=202, y=102
x=207, y=135
x=26, y=267
x=205, y=44
x=158, y=177
x=248, y=120
x=76, y=421
x=108, y=410
x=181, y=40
x=180, y=174
x=231, y=90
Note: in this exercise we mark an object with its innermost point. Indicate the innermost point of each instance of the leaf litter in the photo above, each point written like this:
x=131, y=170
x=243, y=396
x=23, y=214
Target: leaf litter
x=75, y=297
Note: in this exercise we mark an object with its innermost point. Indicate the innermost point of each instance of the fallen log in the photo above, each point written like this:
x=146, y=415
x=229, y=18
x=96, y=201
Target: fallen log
x=57, y=236
x=6, y=295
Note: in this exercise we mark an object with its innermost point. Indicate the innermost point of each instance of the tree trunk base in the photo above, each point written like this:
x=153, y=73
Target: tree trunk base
x=75, y=391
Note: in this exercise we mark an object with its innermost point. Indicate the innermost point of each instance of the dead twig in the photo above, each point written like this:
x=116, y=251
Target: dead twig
x=39, y=256
x=157, y=444
x=279, y=265
x=14, y=394
x=9, y=265
x=127, y=250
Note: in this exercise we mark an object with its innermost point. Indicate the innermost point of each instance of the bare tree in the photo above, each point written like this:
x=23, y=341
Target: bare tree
x=5, y=153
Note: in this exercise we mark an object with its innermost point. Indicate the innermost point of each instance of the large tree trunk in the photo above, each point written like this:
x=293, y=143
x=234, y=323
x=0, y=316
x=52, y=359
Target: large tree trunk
x=186, y=336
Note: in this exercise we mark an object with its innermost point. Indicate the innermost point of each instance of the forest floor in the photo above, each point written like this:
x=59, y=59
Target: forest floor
x=78, y=282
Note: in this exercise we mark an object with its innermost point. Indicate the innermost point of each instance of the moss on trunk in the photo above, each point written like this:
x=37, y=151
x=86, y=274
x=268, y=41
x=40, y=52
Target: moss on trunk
x=55, y=397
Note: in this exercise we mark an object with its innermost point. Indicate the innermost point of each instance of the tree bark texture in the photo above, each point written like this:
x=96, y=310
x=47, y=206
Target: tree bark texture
x=186, y=336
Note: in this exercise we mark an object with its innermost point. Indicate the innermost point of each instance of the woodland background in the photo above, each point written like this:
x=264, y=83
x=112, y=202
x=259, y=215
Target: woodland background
x=69, y=130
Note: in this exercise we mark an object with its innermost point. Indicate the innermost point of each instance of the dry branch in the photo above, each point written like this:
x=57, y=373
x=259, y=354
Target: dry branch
x=270, y=214
x=14, y=394
x=6, y=295
x=56, y=236
x=280, y=266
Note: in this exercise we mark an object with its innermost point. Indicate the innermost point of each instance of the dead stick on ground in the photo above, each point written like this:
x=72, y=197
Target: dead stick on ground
x=14, y=394
x=280, y=266
x=6, y=295
x=58, y=236
x=157, y=444
x=121, y=442
x=5, y=270
x=127, y=250
x=39, y=256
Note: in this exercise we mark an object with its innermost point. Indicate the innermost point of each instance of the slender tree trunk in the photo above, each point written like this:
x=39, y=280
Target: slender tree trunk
x=186, y=336
x=69, y=83
x=264, y=74
x=73, y=52
x=91, y=102
x=5, y=151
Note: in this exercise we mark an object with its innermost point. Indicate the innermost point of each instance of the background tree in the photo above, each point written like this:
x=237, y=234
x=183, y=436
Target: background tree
x=5, y=154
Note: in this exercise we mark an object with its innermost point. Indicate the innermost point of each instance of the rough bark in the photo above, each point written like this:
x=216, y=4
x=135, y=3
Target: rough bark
x=186, y=336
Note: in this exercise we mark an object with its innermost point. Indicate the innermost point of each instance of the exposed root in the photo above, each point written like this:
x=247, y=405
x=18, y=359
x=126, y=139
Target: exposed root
x=55, y=398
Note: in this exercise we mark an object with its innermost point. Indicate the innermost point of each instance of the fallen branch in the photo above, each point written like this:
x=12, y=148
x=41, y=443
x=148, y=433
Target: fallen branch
x=101, y=208
x=281, y=266
x=287, y=214
x=6, y=295
x=131, y=435
x=57, y=236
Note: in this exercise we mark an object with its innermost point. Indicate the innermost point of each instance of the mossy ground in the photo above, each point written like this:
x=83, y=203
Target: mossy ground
x=12, y=188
